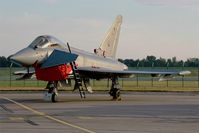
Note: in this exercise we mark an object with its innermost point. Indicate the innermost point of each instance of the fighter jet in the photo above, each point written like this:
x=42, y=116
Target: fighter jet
x=55, y=61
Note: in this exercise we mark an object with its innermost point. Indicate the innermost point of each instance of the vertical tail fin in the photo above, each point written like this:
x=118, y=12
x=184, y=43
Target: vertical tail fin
x=108, y=46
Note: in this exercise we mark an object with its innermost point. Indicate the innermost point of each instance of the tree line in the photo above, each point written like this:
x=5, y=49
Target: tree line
x=5, y=63
x=149, y=61
x=152, y=61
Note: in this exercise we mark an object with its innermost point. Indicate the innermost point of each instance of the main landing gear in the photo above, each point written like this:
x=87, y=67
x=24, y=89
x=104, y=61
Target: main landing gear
x=52, y=93
x=115, y=89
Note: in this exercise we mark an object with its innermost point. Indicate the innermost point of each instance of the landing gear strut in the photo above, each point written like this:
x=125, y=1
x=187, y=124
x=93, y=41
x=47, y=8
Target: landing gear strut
x=115, y=89
x=51, y=94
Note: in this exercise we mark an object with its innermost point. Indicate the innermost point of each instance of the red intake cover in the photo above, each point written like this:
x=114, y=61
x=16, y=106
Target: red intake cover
x=53, y=73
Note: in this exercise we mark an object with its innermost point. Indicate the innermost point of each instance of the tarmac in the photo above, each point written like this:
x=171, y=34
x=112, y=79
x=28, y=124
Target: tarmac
x=138, y=112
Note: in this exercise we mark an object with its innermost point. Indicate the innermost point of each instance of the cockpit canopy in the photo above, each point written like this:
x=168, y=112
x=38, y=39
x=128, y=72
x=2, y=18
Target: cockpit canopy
x=46, y=41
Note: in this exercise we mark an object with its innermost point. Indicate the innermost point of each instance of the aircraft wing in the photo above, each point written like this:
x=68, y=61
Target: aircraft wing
x=99, y=73
x=104, y=73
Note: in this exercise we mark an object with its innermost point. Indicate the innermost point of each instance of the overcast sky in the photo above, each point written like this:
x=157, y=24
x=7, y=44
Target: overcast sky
x=164, y=28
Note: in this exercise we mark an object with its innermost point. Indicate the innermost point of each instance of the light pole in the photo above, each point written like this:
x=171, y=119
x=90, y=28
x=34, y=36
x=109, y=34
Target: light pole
x=183, y=75
x=137, y=74
x=167, y=70
x=152, y=65
x=198, y=74
x=10, y=73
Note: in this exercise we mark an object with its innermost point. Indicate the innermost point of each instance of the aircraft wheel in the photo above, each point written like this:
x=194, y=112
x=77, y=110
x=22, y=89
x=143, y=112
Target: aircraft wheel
x=115, y=89
x=118, y=97
x=54, y=97
x=115, y=93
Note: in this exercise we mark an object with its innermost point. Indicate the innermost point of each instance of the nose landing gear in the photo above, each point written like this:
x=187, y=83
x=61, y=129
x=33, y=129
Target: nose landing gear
x=52, y=93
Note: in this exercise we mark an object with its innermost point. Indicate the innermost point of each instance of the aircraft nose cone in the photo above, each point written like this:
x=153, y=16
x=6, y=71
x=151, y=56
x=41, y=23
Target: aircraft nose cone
x=25, y=57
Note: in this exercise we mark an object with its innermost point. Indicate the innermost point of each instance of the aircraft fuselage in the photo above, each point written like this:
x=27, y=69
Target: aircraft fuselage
x=35, y=56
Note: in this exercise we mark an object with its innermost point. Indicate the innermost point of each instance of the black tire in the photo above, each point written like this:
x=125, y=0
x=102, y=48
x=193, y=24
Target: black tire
x=116, y=94
x=54, y=97
x=111, y=92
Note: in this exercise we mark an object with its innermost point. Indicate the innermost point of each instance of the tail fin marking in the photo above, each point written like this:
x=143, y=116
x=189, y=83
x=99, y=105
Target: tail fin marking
x=108, y=46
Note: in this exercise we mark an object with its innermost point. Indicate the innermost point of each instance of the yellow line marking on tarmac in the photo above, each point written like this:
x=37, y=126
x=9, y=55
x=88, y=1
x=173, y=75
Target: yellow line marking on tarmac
x=85, y=117
x=48, y=116
x=16, y=118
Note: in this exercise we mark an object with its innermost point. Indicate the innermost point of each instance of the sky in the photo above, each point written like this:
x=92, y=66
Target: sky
x=163, y=28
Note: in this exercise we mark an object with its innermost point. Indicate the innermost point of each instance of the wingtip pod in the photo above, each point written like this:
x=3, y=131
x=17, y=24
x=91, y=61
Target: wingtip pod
x=170, y=77
x=183, y=73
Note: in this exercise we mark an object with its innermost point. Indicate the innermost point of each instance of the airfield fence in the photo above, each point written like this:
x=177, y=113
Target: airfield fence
x=137, y=83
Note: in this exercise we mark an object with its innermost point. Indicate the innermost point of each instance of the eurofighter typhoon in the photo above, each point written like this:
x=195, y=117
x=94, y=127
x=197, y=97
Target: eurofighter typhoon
x=56, y=62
